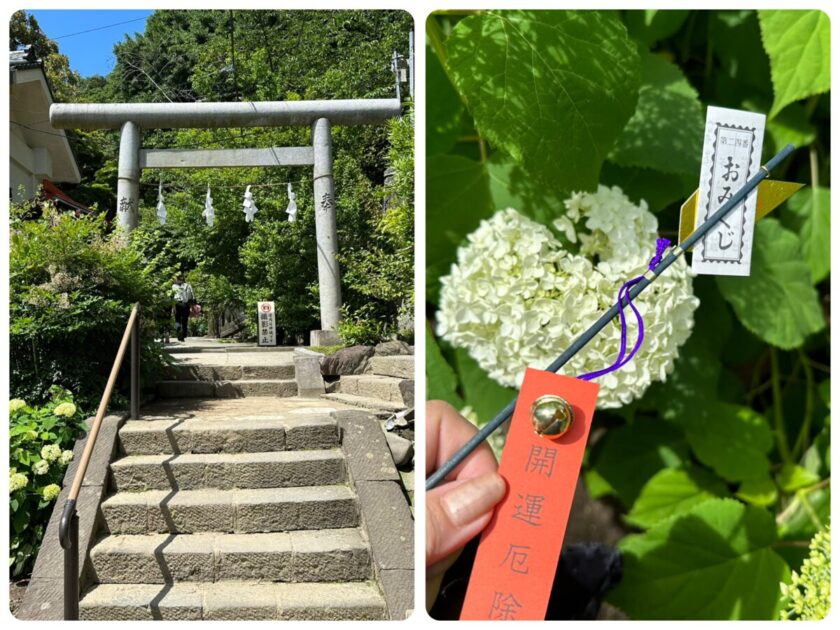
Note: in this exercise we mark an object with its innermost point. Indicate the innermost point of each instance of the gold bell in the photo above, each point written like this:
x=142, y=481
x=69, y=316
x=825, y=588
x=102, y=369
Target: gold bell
x=551, y=416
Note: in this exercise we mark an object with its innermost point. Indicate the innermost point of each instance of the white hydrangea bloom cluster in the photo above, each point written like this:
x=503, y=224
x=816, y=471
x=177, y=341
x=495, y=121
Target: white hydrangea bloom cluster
x=51, y=452
x=517, y=298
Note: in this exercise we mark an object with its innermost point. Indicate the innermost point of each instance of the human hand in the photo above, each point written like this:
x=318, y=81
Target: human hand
x=459, y=508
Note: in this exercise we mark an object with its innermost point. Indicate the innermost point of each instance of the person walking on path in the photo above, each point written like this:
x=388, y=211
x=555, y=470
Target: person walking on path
x=182, y=291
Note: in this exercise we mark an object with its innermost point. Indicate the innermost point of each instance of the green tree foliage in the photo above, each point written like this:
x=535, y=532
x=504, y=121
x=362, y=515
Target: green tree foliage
x=71, y=288
x=722, y=472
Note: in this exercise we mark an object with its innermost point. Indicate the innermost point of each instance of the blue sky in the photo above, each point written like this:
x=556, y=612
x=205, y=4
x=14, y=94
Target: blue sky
x=90, y=52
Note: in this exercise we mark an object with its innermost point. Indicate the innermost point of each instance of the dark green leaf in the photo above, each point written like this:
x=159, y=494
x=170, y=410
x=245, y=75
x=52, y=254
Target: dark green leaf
x=551, y=88
x=715, y=562
x=457, y=198
x=777, y=301
x=657, y=189
x=650, y=25
x=731, y=439
x=810, y=210
x=666, y=131
x=440, y=377
x=632, y=454
x=483, y=394
x=443, y=108
x=674, y=491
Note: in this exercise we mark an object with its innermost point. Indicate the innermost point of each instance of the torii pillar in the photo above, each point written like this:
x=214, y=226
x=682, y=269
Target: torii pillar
x=131, y=118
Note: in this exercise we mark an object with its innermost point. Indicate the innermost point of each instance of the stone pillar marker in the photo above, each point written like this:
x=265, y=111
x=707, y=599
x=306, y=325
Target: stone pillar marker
x=128, y=176
x=329, y=278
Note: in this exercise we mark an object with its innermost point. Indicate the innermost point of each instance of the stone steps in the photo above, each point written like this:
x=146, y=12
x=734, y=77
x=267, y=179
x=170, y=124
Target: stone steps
x=383, y=407
x=190, y=471
x=386, y=388
x=234, y=600
x=281, y=388
x=202, y=372
x=234, y=511
x=332, y=555
x=397, y=366
x=228, y=435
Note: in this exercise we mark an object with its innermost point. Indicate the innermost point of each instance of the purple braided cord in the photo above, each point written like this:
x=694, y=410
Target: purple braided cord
x=624, y=300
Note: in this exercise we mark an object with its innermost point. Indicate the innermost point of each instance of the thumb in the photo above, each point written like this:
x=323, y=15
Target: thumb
x=458, y=511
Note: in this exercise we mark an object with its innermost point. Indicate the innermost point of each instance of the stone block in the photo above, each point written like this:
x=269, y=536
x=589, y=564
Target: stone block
x=388, y=522
x=336, y=555
x=359, y=601
x=253, y=557
x=307, y=373
x=240, y=602
x=398, y=586
x=398, y=366
x=366, y=449
x=311, y=432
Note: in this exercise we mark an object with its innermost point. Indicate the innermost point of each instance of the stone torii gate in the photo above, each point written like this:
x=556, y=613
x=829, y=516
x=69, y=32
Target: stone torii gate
x=132, y=118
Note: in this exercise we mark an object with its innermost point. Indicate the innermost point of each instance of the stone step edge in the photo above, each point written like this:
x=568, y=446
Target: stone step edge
x=364, y=402
x=196, y=471
x=235, y=434
x=327, y=555
x=238, y=511
x=235, y=600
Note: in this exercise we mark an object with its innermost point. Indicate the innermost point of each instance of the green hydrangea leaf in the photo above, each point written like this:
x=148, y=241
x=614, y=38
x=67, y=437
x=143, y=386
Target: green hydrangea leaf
x=457, y=198
x=731, y=439
x=809, y=211
x=777, y=302
x=655, y=188
x=793, y=477
x=714, y=562
x=440, y=377
x=674, y=491
x=650, y=25
x=799, y=47
x=443, y=112
x=806, y=513
x=791, y=126
x=553, y=89
x=761, y=492
x=484, y=395
x=511, y=186
x=632, y=454
x=666, y=131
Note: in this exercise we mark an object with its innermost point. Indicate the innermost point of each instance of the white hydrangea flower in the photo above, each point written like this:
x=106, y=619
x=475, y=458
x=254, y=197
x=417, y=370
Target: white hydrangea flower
x=50, y=492
x=66, y=457
x=17, y=481
x=41, y=467
x=66, y=409
x=516, y=298
x=51, y=452
x=16, y=404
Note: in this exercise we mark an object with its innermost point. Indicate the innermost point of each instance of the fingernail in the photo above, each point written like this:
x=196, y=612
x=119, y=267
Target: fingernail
x=473, y=498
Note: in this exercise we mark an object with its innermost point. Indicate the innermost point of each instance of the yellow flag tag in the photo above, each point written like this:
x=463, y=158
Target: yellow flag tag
x=771, y=194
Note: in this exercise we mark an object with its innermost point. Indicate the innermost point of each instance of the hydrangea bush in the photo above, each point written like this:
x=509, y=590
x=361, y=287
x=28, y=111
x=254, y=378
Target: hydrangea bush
x=40, y=448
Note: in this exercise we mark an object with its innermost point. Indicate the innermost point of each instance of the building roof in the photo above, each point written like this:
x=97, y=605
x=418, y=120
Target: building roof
x=30, y=97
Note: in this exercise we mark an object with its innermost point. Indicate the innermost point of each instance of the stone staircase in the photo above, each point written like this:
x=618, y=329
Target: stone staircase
x=226, y=517
x=245, y=375
x=387, y=385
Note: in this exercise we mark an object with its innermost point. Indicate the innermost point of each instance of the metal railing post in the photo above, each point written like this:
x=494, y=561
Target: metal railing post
x=69, y=539
x=135, y=369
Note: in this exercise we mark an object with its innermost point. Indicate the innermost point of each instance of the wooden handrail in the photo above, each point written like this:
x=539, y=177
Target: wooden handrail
x=103, y=405
x=68, y=525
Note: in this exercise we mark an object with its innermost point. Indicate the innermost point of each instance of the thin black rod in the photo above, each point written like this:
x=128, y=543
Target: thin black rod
x=675, y=252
